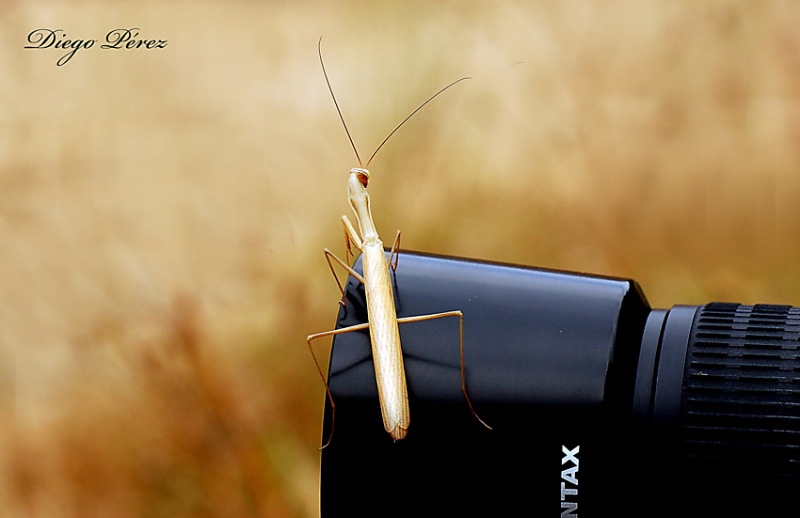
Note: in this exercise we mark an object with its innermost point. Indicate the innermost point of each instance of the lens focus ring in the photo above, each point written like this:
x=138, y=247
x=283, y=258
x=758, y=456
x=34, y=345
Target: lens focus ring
x=740, y=417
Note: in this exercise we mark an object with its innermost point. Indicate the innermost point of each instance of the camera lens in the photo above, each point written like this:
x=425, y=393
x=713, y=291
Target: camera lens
x=726, y=419
x=598, y=404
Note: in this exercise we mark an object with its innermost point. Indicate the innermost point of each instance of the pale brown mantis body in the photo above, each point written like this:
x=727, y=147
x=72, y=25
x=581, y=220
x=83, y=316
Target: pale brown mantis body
x=383, y=323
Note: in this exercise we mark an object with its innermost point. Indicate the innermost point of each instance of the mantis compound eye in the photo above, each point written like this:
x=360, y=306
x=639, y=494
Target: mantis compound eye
x=362, y=174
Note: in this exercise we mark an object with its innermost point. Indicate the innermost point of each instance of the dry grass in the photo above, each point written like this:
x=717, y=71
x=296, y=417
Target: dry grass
x=162, y=213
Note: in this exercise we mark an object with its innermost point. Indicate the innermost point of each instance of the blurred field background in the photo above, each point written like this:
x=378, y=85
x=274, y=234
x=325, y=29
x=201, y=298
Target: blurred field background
x=163, y=212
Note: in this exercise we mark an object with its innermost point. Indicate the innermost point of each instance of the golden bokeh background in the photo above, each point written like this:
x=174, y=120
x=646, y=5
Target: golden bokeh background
x=163, y=212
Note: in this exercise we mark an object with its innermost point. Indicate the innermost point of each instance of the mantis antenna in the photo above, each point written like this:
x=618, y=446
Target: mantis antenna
x=341, y=117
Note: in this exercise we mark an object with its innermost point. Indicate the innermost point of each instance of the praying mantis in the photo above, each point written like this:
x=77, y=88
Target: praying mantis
x=383, y=323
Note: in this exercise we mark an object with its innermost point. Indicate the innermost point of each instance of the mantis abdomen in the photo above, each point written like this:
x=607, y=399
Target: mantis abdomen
x=387, y=354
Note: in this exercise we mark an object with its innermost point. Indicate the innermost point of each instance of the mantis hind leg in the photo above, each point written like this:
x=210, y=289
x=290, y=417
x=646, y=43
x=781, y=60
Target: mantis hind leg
x=460, y=315
x=357, y=327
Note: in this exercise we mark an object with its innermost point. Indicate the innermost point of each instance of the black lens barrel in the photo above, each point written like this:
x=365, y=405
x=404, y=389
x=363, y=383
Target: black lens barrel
x=599, y=404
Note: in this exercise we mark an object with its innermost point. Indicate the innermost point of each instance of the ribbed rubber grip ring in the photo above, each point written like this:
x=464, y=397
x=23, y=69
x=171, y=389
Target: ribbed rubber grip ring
x=740, y=411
